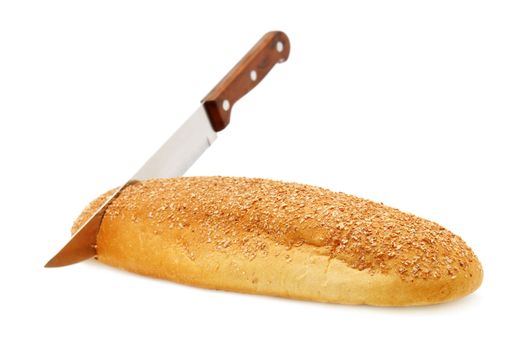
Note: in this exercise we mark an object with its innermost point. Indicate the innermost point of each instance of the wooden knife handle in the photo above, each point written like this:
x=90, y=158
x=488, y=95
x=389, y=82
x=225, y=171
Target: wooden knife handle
x=272, y=48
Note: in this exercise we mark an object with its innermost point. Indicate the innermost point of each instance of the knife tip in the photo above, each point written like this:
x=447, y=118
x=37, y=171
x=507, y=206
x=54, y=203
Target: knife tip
x=52, y=263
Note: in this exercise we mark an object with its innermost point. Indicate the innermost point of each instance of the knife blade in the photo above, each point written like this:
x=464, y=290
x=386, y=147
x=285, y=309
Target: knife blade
x=187, y=144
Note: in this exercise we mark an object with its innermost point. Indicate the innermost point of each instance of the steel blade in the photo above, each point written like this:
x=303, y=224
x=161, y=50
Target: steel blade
x=181, y=150
x=173, y=159
x=82, y=245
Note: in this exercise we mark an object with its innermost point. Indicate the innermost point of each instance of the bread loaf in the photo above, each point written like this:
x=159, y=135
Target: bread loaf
x=282, y=239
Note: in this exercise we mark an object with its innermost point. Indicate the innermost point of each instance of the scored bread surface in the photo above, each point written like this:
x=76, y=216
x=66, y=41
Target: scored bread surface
x=282, y=239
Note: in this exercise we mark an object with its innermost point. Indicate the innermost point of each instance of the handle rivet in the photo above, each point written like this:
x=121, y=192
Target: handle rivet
x=253, y=75
x=226, y=105
x=279, y=46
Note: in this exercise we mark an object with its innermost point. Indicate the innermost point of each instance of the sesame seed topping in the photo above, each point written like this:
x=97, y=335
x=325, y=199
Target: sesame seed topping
x=244, y=214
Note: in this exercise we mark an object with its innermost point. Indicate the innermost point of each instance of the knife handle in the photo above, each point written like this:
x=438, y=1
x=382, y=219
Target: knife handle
x=272, y=48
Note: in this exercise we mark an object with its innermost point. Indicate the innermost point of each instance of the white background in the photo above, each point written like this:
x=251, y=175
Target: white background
x=418, y=105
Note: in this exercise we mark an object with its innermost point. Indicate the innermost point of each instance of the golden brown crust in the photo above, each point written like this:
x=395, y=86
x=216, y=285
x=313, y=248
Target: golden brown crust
x=285, y=239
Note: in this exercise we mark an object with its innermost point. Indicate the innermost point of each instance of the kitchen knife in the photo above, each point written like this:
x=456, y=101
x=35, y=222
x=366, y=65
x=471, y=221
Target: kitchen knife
x=187, y=144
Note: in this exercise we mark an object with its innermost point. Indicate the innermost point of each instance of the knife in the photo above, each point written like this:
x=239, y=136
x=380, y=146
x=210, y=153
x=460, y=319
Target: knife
x=187, y=144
